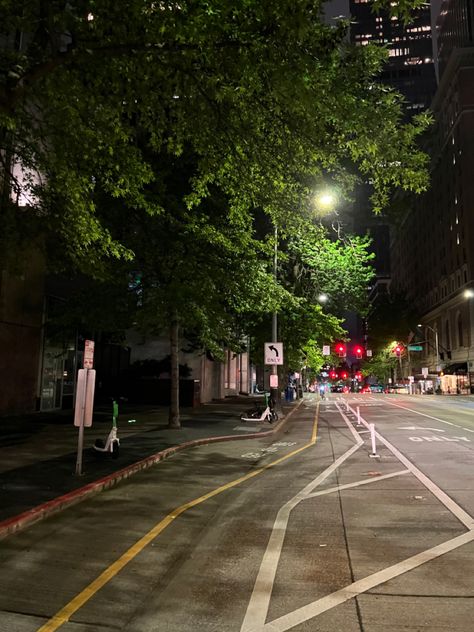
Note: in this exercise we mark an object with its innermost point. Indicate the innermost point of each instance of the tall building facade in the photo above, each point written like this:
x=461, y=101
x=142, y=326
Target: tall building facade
x=433, y=253
x=410, y=68
x=455, y=26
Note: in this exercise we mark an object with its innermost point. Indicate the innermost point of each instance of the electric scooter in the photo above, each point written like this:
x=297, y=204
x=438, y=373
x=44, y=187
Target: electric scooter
x=258, y=414
x=112, y=443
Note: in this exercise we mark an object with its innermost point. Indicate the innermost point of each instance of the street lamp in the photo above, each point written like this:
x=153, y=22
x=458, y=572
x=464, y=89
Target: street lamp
x=274, y=390
x=438, y=367
x=326, y=202
x=468, y=294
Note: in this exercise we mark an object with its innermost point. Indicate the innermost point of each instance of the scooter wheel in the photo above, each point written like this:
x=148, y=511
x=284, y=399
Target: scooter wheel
x=115, y=450
x=99, y=443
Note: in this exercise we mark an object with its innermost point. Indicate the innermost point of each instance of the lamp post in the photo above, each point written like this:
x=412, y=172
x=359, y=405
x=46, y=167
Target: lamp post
x=274, y=390
x=325, y=201
x=469, y=294
x=438, y=367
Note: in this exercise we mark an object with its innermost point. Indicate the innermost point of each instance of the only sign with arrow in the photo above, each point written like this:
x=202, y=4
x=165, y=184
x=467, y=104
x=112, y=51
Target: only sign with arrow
x=273, y=353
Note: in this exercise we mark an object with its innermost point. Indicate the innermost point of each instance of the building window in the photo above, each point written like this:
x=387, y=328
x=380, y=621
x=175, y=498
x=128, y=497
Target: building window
x=447, y=338
x=460, y=332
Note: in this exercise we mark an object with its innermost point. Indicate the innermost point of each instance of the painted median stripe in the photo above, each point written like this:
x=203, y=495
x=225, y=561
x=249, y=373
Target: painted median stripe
x=64, y=615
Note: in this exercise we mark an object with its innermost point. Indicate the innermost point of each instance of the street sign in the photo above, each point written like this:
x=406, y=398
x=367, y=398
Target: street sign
x=274, y=353
x=326, y=350
x=84, y=397
x=88, y=354
x=415, y=348
x=83, y=409
x=424, y=371
x=368, y=353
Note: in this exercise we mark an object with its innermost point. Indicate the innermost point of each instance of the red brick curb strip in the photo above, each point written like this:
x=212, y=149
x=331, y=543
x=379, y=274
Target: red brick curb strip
x=27, y=518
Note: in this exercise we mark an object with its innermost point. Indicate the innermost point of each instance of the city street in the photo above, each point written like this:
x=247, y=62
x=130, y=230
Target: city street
x=307, y=530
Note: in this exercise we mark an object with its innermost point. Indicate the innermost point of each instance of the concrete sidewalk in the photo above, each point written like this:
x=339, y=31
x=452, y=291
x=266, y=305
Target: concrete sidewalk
x=38, y=452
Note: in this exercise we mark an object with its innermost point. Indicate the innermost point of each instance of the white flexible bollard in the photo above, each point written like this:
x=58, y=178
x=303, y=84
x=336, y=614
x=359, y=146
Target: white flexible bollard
x=359, y=423
x=374, y=454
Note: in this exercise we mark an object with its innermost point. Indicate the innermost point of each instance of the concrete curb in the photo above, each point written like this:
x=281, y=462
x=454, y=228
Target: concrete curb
x=40, y=512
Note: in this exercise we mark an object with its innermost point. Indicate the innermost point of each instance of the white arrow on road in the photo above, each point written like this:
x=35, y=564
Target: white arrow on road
x=419, y=428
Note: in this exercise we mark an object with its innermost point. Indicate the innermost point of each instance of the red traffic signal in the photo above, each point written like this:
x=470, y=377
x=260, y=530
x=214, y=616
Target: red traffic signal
x=358, y=352
x=341, y=349
x=343, y=375
x=333, y=375
x=398, y=349
x=358, y=376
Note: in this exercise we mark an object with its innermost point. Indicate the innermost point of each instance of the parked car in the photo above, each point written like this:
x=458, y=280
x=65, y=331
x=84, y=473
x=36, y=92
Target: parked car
x=397, y=388
x=377, y=388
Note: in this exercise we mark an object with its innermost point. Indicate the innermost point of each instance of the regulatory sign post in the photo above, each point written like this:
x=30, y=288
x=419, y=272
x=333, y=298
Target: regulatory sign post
x=83, y=409
x=84, y=400
x=273, y=353
x=88, y=362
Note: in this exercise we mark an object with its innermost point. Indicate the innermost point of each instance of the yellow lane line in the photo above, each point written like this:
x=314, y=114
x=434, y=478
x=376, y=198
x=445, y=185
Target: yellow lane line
x=63, y=616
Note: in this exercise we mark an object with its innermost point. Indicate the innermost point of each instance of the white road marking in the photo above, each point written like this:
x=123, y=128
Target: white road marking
x=443, y=421
x=260, y=599
x=257, y=609
x=419, y=428
x=430, y=439
x=366, y=481
x=316, y=608
x=446, y=500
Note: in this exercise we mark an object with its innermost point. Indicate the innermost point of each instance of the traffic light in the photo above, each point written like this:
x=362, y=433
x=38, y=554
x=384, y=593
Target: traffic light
x=398, y=349
x=358, y=352
x=333, y=375
x=341, y=349
x=344, y=375
x=358, y=376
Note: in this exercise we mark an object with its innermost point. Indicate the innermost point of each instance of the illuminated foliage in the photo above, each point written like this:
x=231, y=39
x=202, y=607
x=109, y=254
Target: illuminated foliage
x=264, y=94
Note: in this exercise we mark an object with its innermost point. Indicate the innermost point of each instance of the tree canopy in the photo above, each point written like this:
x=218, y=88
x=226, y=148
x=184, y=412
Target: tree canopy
x=141, y=147
x=266, y=97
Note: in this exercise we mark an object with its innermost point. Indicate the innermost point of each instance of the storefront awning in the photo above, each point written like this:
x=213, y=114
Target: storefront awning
x=459, y=368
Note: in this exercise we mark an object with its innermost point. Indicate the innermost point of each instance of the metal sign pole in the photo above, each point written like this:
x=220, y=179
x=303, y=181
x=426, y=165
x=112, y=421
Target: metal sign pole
x=84, y=409
x=80, y=412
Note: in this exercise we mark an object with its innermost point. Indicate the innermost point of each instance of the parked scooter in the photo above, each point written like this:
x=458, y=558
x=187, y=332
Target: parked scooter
x=112, y=443
x=261, y=414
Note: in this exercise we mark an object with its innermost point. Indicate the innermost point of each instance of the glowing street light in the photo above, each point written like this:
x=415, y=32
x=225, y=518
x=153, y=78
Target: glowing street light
x=325, y=201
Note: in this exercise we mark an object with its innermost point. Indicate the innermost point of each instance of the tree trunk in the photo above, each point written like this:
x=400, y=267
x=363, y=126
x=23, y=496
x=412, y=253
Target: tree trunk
x=173, y=419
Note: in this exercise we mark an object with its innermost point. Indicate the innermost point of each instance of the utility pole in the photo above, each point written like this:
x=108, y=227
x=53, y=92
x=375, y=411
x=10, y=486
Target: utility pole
x=275, y=390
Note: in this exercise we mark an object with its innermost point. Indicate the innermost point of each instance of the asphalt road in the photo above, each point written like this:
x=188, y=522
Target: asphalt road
x=308, y=531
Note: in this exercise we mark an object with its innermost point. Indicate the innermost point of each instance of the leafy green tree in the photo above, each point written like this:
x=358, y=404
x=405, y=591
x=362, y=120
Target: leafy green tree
x=382, y=365
x=260, y=100
x=314, y=261
x=265, y=95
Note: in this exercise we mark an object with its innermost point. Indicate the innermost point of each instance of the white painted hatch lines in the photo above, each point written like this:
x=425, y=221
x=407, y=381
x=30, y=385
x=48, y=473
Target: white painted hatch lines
x=257, y=611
